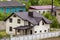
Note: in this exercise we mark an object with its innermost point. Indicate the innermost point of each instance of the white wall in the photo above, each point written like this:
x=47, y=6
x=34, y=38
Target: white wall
x=41, y=11
x=13, y=24
x=41, y=28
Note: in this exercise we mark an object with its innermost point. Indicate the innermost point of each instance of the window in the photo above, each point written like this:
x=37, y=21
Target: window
x=35, y=31
x=14, y=15
x=20, y=10
x=40, y=31
x=39, y=11
x=10, y=29
x=43, y=11
x=10, y=20
x=30, y=31
x=18, y=30
x=42, y=23
x=44, y=30
x=18, y=21
x=48, y=30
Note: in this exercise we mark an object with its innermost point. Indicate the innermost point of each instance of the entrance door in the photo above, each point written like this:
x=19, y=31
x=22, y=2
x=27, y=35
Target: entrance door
x=26, y=31
x=30, y=31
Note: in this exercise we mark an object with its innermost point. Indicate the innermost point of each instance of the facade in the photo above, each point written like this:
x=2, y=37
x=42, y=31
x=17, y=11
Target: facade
x=10, y=7
x=57, y=9
x=24, y=23
x=41, y=9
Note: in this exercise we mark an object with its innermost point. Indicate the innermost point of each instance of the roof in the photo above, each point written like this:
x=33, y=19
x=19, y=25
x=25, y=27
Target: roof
x=23, y=27
x=57, y=7
x=10, y=3
x=42, y=7
x=34, y=20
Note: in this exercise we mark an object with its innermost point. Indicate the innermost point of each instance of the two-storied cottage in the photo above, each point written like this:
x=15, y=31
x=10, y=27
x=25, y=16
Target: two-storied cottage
x=27, y=23
x=11, y=6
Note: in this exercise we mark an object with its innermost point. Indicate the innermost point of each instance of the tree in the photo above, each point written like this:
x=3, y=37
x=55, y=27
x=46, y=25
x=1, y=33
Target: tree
x=49, y=2
x=54, y=23
x=34, y=2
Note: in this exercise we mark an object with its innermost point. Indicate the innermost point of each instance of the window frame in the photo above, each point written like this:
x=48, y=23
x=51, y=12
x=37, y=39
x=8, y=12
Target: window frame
x=18, y=21
x=43, y=23
x=40, y=31
x=10, y=20
x=35, y=31
x=10, y=28
x=14, y=15
x=45, y=30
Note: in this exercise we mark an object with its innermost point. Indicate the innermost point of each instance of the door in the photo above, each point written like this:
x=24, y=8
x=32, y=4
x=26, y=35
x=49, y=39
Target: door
x=30, y=31
x=26, y=31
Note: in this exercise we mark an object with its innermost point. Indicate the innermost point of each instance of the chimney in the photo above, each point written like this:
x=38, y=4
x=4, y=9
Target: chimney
x=30, y=14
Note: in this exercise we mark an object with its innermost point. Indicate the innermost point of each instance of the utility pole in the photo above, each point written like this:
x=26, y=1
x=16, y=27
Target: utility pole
x=52, y=7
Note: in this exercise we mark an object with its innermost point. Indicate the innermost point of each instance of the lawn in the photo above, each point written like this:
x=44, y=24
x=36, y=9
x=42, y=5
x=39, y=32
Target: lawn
x=3, y=34
x=55, y=38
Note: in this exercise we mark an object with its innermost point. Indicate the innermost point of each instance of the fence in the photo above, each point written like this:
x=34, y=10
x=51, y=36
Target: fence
x=5, y=39
x=37, y=36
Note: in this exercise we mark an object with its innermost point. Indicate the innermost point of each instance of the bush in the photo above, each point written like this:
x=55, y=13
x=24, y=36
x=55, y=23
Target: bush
x=3, y=34
x=3, y=16
x=0, y=36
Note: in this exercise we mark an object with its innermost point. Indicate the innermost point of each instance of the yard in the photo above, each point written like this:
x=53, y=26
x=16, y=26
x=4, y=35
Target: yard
x=55, y=38
x=3, y=34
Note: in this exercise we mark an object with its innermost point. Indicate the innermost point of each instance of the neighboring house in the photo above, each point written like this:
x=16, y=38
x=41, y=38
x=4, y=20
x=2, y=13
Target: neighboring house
x=27, y=23
x=5, y=0
x=10, y=7
x=41, y=9
x=19, y=0
x=57, y=9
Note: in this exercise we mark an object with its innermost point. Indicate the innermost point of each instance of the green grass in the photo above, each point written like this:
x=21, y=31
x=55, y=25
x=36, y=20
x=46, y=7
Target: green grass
x=3, y=34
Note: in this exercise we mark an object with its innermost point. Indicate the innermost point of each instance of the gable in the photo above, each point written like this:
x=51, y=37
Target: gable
x=12, y=16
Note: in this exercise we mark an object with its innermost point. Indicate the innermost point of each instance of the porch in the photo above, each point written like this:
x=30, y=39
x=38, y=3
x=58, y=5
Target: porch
x=23, y=30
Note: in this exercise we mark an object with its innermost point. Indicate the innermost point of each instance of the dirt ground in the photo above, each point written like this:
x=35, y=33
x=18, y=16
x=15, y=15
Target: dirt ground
x=56, y=38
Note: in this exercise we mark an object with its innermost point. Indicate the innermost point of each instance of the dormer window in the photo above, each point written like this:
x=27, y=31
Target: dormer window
x=42, y=23
x=10, y=20
x=14, y=15
x=18, y=21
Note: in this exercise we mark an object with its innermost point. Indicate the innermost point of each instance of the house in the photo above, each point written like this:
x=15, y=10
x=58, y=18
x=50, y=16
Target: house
x=41, y=9
x=57, y=10
x=24, y=23
x=11, y=6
